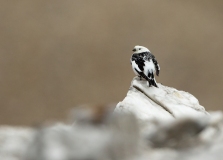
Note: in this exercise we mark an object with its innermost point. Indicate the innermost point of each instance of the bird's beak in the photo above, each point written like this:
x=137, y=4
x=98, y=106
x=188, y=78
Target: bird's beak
x=134, y=50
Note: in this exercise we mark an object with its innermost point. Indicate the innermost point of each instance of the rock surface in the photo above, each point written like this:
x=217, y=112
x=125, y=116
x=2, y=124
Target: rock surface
x=175, y=127
x=159, y=103
x=116, y=137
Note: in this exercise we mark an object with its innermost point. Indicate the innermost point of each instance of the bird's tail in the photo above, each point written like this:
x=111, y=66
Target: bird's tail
x=151, y=80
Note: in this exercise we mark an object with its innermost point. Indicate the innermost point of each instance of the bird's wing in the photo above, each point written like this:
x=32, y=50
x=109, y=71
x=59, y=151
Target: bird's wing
x=151, y=56
x=140, y=62
x=138, y=65
x=142, y=74
x=156, y=66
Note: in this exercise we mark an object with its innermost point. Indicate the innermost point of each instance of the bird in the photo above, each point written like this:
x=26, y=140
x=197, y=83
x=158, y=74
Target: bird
x=145, y=65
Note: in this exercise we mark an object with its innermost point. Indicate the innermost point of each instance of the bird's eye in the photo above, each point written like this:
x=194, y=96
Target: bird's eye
x=139, y=48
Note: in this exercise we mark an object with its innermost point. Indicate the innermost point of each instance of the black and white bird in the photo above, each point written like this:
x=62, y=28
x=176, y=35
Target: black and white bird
x=145, y=65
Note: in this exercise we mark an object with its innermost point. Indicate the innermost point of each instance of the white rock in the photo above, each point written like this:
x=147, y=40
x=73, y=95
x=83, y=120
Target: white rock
x=117, y=137
x=14, y=142
x=159, y=103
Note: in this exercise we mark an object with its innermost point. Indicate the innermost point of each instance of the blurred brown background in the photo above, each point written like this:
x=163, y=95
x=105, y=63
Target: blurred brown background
x=57, y=54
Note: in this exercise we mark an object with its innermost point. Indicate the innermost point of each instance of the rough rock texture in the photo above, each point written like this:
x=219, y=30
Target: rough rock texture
x=160, y=103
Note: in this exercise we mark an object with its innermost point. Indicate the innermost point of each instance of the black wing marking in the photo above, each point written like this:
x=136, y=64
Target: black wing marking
x=152, y=81
x=156, y=66
x=139, y=61
x=142, y=74
x=147, y=55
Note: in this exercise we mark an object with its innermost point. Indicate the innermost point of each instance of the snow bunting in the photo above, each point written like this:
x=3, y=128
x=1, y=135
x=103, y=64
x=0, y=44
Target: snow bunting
x=145, y=65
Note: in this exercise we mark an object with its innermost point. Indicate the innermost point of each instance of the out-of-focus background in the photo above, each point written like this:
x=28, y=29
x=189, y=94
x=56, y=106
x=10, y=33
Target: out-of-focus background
x=55, y=55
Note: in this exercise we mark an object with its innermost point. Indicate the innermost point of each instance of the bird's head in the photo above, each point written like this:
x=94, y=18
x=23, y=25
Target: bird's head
x=140, y=49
